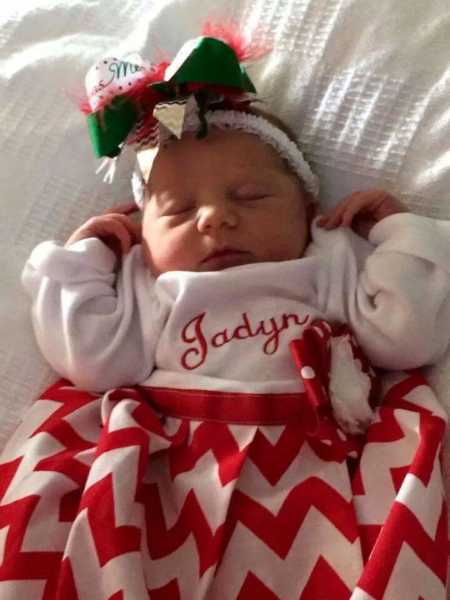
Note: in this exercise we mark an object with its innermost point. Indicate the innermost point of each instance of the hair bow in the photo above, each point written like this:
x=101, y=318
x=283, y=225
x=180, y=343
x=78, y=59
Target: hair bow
x=127, y=100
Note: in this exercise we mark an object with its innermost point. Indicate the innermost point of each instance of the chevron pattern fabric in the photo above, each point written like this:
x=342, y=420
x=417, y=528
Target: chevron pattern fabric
x=118, y=497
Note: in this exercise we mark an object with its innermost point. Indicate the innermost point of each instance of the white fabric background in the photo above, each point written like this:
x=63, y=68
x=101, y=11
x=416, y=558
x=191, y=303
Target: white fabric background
x=365, y=84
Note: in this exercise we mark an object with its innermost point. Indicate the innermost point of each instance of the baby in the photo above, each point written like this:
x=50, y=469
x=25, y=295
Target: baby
x=203, y=213
x=219, y=277
x=198, y=306
x=228, y=204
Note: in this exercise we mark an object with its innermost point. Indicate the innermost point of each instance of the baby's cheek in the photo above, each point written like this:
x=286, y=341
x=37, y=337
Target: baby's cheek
x=284, y=237
x=172, y=249
x=154, y=246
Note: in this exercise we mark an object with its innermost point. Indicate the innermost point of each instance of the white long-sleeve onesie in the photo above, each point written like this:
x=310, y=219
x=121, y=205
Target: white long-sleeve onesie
x=230, y=329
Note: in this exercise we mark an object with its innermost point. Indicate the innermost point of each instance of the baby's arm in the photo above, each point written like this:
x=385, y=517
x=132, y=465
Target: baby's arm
x=95, y=327
x=398, y=299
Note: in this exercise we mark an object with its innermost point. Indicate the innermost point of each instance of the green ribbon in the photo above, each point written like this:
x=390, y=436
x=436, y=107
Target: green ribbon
x=215, y=63
x=211, y=62
x=109, y=127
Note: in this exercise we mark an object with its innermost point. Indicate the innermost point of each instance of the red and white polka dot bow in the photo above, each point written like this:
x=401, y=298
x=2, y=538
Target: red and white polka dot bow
x=338, y=378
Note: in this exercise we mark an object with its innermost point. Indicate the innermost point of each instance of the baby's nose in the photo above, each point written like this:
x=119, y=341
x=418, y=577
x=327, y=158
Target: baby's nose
x=216, y=215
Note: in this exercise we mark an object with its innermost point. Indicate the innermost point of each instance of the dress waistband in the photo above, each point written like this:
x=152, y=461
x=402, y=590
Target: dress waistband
x=232, y=407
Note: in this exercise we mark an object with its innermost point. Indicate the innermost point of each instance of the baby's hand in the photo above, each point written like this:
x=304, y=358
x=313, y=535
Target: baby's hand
x=361, y=211
x=113, y=227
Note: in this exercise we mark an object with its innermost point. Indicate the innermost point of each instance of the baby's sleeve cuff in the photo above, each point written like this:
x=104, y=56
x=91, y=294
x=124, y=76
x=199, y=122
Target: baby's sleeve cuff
x=423, y=237
x=74, y=262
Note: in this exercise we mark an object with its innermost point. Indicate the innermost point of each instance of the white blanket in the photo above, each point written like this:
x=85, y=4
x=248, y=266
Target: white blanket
x=365, y=84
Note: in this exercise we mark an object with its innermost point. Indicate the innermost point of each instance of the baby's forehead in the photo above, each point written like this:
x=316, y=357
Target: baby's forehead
x=230, y=147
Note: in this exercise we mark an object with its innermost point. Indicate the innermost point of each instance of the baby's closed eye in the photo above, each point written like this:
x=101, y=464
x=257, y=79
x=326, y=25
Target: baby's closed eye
x=250, y=191
x=177, y=207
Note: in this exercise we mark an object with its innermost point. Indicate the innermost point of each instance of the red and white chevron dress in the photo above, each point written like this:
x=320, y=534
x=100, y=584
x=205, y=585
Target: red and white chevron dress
x=163, y=494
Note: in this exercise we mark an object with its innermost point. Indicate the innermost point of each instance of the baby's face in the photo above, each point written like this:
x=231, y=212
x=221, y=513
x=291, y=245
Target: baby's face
x=219, y=202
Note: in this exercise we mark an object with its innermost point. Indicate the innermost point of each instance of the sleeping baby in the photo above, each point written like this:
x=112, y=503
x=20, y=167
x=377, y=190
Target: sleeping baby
x=228, y=265
x=198, y=304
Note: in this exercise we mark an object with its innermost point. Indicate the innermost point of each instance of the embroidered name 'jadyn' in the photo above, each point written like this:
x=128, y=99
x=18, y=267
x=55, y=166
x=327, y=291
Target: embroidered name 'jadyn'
x=193, y=333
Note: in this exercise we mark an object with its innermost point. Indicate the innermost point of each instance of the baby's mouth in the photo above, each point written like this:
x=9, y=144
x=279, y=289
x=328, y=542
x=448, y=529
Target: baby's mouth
x=227, y=257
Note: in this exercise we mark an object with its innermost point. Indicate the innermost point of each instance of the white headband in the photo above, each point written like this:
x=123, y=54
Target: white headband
x=255, y=124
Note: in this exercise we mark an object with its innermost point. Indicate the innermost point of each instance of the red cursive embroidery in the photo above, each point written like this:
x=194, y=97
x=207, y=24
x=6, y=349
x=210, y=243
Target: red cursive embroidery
x=198, y=337
x=271, y=328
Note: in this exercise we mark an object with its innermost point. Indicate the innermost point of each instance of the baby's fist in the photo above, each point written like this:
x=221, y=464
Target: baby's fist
x=114, y=228
x=362, y=210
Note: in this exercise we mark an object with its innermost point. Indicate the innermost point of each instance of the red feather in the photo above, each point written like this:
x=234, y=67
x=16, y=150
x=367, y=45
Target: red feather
x=231, y=33
x=84, y=106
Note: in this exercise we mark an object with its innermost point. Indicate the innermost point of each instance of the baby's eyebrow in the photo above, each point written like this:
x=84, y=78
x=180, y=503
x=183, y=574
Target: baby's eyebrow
x=250, y=186
x=262, y=172
x=259, y=175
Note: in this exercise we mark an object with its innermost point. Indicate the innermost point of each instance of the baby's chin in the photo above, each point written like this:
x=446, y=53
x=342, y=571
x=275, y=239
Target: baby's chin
x=222, y=262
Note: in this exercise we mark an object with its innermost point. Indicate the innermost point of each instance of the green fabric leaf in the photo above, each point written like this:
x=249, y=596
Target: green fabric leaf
x=214, y=62
x=109, y=127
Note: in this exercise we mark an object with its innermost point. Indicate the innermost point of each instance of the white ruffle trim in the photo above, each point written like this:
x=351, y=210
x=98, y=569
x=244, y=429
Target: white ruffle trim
x=349, y=388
